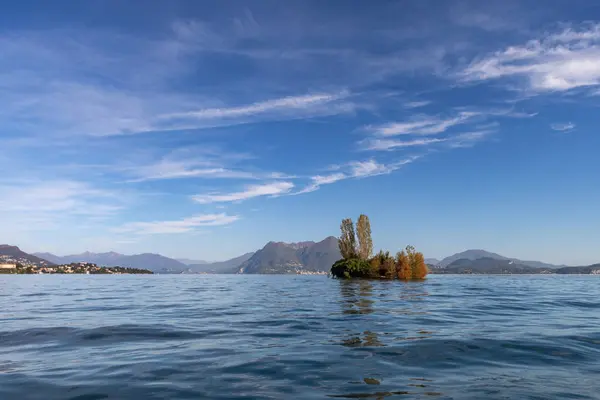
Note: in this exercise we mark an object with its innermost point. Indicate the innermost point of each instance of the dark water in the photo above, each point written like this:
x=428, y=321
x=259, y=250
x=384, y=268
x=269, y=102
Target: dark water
x=299, y=337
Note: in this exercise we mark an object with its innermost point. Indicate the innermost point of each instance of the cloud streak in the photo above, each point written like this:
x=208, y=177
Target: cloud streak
x=251, y=191
x=563, y=127
x=423, y=125
x=45, y=204
x=177, y=226
x=298, y=103
x=354, y=170
x=391, y=144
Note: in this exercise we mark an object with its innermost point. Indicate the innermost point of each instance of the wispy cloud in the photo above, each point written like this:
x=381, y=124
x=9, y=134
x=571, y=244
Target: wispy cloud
x=354, y=169
x=417, y=104
x=563, y=127
x=251, y=191
x=390, y=144
x=204, y=162
x=171, y=169
x=556, y=62
x=44, y=204
x=469, y=139
x=178, y=226
x=298, y=103
x=423, y=125
x=52, y=91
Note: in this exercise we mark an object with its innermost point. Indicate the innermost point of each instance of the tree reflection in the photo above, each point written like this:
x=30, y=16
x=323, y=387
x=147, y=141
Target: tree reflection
x=355, y=297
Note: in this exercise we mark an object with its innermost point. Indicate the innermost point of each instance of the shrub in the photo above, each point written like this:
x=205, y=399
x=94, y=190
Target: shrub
x=403, y=270
x=351, y=268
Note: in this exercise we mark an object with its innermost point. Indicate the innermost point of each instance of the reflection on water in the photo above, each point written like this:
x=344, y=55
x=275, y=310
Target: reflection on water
x=355, y=297
x=365, y=302
x=359, y=297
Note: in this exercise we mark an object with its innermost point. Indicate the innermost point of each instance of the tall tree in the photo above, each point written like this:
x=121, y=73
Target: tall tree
x=347, y=240
x=363, y=231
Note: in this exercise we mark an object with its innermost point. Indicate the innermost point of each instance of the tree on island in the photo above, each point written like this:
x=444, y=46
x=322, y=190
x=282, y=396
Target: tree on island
x=356, y=249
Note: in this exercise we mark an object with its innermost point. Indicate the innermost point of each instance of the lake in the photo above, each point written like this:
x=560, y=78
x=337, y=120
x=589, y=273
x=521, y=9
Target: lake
x=298, y=337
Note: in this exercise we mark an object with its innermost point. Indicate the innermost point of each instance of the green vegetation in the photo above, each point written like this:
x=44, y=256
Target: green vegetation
x=351, y=268
x=356, y=249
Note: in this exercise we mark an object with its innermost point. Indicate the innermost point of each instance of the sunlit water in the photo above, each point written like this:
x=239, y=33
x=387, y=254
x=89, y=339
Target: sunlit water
x=299, y=337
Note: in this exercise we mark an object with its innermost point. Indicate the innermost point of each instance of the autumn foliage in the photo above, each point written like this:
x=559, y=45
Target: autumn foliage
x=356, y=249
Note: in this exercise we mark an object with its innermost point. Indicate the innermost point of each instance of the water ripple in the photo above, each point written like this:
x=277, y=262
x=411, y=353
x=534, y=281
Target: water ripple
x=273, y=337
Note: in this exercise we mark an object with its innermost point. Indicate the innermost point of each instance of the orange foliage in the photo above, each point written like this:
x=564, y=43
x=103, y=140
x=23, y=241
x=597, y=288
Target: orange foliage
x=388, y=267
x=403, y=270
x=419, y=268
x=375, y=263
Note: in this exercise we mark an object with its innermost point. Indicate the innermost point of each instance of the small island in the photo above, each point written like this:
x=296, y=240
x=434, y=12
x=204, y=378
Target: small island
x=73, y=268
x=357, y=260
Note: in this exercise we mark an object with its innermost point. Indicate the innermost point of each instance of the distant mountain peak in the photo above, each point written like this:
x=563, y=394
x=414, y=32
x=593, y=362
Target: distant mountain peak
x=476, y=254
x=16, y=254
x=282, y=258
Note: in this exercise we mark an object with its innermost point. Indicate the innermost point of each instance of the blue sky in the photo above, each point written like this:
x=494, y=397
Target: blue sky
x=205, y=129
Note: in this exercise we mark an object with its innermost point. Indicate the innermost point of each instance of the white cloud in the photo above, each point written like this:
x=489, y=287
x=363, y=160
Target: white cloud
x=390, y=144
x=354, y=169
x=417, y=104
x=558, y=62
x=469, y=139
x=251, y=191
x=304, y=102
x=179, y=226
x=171, y=169
x=563, y=127
x=30, y=205
x=51, y=91
x=368, y=168
x=327, y=179
x=204, y=162
x=423, y=125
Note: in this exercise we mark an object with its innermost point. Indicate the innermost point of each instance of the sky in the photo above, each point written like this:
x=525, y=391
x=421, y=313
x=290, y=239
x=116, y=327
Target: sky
x=206, y=129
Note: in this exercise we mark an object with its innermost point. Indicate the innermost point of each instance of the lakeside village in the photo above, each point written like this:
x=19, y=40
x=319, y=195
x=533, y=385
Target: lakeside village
x=11, y=265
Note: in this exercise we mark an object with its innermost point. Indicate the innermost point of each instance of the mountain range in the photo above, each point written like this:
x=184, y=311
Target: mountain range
x=286, y=258
x=273, y=258
x=491, y=266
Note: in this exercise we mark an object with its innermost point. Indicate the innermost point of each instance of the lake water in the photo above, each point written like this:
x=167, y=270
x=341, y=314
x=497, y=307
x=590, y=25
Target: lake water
x=299, y=337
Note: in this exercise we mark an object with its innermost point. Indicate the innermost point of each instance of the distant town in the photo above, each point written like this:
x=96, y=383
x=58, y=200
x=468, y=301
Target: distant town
x=18, y=265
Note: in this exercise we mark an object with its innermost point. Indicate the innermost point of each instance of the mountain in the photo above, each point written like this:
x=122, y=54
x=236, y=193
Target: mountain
x=289, y=258
x=488, y=265
x=590, y=269
x=491, y=266
x=432, y=261
x=50, y=257
x=470, y=255
x=221, y=267
x=187, y=261
x=14, y=254
x=477, y=254
x=154, y=262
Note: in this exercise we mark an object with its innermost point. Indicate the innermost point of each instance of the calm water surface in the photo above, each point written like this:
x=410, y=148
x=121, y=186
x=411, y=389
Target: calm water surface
x=299, y=337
